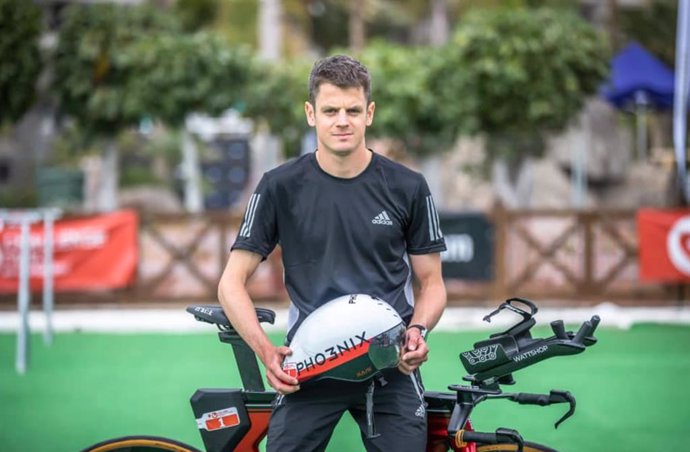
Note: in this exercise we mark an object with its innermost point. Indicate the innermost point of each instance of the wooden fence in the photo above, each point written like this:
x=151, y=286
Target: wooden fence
x=583, y=256
x=545, y=254
x=572, y=255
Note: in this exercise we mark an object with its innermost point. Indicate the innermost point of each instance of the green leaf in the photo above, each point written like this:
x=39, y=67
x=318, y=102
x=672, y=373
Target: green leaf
x=20, y=60
x=531, y=70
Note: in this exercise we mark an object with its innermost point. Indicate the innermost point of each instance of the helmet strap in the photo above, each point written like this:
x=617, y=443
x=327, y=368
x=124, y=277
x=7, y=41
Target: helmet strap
x=371, y=427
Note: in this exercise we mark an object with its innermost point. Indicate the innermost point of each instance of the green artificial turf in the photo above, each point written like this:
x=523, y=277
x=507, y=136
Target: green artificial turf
x=88, y=387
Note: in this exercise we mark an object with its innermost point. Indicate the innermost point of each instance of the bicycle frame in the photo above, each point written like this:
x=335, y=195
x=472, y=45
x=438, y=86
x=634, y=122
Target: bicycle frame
x=237, y=419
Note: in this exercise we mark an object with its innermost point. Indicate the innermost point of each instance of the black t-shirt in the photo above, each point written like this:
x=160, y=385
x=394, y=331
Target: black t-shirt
x=342, y=236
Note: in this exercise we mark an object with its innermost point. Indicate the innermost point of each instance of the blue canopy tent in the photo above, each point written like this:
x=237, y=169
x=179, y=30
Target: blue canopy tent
x=635, y=74
x=639, y=82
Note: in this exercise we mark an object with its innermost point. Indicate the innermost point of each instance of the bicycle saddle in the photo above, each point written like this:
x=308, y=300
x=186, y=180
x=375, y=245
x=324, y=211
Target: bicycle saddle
x=214, y=314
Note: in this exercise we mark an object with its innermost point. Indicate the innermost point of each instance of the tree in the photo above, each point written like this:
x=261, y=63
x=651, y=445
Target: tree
x=118, y=65
x=178, y=74
x=653, y=26
x=345, y=23
x=532, y=70
x=93, y=69
x=196, y=14
x=20, y=59
x=409, y=104
x=277, y=97
x=356, y=26
x=181, y=74
x=93, y=74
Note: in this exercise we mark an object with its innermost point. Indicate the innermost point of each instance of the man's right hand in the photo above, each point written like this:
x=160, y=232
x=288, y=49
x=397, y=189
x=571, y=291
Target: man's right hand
x=277, y=378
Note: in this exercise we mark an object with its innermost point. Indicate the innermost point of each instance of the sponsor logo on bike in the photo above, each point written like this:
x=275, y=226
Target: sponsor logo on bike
x=217, y=420
x=530, y=353
x=481, y=355
x=203, y=310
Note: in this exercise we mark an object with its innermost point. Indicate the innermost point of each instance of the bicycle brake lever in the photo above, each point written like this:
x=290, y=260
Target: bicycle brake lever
x=556, y=396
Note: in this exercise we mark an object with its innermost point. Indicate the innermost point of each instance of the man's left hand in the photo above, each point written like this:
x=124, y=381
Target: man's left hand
x=414, y=353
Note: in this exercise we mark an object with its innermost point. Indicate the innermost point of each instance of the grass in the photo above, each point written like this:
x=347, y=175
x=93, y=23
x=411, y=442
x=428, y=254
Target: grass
x=88, y=387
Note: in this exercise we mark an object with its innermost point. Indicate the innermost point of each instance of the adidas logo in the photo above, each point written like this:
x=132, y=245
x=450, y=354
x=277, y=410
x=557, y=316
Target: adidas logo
x=382, y=218
x=420, y=411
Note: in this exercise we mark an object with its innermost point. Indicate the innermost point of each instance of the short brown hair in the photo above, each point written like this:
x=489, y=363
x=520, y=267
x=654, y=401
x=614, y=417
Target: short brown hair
x=342, y=71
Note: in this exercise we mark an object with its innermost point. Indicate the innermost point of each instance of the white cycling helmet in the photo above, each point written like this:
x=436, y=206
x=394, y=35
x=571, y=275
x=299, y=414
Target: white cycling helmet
x=349, y=338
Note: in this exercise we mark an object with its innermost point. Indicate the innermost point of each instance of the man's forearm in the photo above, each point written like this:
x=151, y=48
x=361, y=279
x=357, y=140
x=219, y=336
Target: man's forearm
x=239, y=308
x=237, y=304
x=431, y=300
x=429, y=305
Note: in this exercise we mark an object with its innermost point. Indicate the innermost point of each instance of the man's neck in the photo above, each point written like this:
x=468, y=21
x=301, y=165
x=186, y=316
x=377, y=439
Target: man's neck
x=347, y=166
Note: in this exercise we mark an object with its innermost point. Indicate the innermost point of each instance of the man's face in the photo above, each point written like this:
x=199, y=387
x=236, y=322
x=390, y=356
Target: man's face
x=340, y=117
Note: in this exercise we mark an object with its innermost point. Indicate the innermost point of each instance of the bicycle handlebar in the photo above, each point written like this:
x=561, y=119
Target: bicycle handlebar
x=492, y=361
x=558, y=329
x=555, y=396
x=586, y=330
x=583, y=335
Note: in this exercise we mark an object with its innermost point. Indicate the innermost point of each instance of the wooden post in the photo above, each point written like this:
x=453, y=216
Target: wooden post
x=356, y=26
x=499, y=286
x=588, y=283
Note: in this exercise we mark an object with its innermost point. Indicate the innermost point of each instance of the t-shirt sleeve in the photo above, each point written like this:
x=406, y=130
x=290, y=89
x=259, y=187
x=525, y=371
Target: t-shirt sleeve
x=423, y=233
x=258, y=231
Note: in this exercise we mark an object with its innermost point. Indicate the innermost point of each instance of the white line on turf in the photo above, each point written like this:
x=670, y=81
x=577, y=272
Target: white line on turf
x=454, y=319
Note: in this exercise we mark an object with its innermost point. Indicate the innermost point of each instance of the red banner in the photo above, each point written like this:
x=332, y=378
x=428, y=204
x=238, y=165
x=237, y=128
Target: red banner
x=664, y=238
x=90, y=253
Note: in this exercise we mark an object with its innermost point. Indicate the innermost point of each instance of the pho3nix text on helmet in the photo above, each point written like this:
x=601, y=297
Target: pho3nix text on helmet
x=350, y=338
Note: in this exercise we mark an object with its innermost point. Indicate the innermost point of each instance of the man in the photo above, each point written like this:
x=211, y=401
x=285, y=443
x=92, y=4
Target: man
x=348, y=221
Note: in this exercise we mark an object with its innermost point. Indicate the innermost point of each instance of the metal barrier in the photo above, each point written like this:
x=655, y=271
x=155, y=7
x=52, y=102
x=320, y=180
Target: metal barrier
x=24, y=219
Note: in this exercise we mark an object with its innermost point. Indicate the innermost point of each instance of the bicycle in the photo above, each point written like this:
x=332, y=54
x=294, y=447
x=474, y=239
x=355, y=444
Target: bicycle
x=237, y=419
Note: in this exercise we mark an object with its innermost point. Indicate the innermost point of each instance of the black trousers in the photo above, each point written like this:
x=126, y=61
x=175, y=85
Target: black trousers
x=304, y=421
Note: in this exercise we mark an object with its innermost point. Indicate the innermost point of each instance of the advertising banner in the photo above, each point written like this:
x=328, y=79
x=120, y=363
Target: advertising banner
x=664, y=242
x=90, y=253
x=470, y=246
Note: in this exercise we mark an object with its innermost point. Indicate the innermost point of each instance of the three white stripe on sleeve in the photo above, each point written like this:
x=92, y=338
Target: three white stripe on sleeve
x=249, y=214
x=432, y=217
